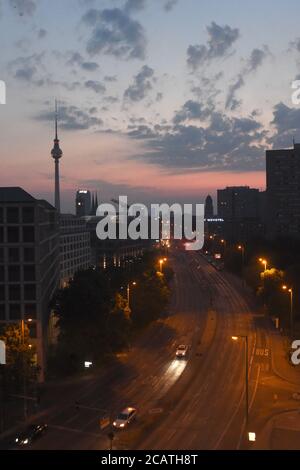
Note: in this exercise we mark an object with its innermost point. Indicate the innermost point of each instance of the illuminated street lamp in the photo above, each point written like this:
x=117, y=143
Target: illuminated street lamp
x=264, y=262
x=29, y=320
x=161, y=262
x=245, y=337
x=290, y=291
x=128, y=292
x=241, y=248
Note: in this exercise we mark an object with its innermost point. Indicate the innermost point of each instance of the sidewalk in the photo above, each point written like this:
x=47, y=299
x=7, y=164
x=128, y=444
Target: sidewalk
x=280, y=360
x=282, y=432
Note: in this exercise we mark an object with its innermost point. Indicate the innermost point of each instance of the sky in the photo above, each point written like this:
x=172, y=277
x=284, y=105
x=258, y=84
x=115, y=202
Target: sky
x=159, y=100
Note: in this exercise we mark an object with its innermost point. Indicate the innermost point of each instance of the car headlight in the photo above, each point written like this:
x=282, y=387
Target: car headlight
x=122, y=425
x=26, y=441
x=17, y=440
x=114, y=423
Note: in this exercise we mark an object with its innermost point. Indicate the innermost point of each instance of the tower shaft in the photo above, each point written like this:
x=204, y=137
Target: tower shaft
x=57, y=186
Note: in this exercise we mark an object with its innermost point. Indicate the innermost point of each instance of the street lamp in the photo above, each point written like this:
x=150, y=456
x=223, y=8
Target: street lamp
x=241, y=248
x=128, y=292
x=161, y=262
x=264, y=262
x=245, y=337
x=290, y=291
x=29, y=320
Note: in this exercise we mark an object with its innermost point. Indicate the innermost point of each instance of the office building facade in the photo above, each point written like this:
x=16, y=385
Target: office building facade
x=29, y=263
x=75, y=246
x=283, y=193
x=240, y=208
x=83, y=203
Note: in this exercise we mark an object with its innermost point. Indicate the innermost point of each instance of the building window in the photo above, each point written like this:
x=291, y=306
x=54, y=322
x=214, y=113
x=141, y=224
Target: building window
x=28, y=255
x=30, y=311
x=32, y=330
x=28, y=215
x=1, y=273
x=12, y=215
x=1, y=215
x=28, y=234
x=14, y=292
x=15, y=312
x=1, y=255
x=2, y=311
x=13, y=273
x=29, y=292
x=29, y=273
x=13, y=235
x=1, y=235
x=2, y=293
x=13, y=255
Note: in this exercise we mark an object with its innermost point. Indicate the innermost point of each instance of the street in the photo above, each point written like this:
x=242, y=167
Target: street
x=192, y=403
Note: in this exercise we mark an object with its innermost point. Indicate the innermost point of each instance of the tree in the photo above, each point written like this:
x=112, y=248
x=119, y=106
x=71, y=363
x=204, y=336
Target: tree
x=150, y=298
x=82, y=308
x=20, y=355
x=119, y=324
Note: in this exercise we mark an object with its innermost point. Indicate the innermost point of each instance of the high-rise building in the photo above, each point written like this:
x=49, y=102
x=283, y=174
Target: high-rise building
x=56, y=154
x=283, y=192
x=75, y=246
x=29, y=263
x=239, y=206
x=83, y=203
x=208, y=208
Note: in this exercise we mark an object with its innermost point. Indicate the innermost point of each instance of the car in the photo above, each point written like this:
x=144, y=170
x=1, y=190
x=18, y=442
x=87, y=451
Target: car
x=30, y=434
x=125, y=417
x=182, y=351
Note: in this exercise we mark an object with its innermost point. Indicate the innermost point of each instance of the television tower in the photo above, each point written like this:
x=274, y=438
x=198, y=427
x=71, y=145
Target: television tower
x=56, y=153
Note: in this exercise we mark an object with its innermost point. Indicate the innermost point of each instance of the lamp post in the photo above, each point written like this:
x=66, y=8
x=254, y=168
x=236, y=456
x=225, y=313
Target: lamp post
x=265, y=263
x=161, y=262
x=128, y=292
x=29, y=320
x=290, y=291
x=245, y=337
x=241, y=248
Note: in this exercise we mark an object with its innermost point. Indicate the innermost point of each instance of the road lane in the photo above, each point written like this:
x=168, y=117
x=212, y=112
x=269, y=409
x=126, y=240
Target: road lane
x=141, y=379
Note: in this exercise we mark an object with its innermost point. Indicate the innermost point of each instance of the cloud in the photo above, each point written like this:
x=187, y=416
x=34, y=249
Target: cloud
x=96, y=86
x=191, y=110
x=71, y=118
x=255, y=60
x=142, y=84
x=42, y=33
x=26, y=68
x=115, y=33
x=231, y=102
x=224, y=144
x=286, y=122
x=110, y=78
x=90, y=66
x=295, y=44
x=169, y=4
x=220, y=41
x=75, y=58
x=139, y=5
x=135, y=5
x=23, y=7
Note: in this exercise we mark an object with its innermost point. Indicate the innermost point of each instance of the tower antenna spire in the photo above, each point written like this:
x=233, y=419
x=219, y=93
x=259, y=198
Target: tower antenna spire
x=56, y=119
x=56, y=154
